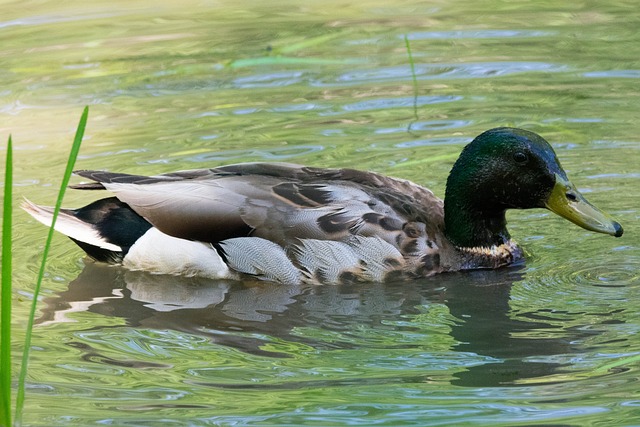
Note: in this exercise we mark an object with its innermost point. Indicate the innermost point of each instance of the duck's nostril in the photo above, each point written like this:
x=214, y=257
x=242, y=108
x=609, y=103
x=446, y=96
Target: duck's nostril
x=572, y=197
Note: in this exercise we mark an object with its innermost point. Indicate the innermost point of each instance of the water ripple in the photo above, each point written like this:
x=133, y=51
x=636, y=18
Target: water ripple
x=401, y=102
x=619, y=272
x=476, y=34
x=626, y=74
x=55, y=19
x=267, y=154
x=269, y=80
x=440, y=71
x=433, y=141
x=432, y=125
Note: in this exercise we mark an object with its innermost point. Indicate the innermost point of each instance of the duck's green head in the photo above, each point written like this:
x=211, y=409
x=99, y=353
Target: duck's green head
x=509, y=168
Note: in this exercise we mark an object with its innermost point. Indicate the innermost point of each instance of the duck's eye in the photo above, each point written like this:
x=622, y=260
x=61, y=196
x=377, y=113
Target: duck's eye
x=520, y=157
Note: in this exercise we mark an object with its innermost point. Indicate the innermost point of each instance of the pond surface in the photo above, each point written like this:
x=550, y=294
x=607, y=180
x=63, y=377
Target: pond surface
x=199, y=84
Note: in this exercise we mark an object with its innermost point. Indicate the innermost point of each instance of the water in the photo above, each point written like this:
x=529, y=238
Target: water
x=552, y=342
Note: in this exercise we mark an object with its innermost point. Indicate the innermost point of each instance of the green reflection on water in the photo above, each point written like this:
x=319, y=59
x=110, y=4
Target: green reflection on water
x=329, y=84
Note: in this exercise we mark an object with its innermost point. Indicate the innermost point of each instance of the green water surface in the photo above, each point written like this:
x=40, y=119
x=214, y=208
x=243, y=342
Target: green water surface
x=193, y=84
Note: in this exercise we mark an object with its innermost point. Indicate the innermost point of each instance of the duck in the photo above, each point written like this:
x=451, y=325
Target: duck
x=295, y=224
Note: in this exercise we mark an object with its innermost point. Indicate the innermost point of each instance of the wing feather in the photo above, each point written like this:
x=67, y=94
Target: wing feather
x=278, y=202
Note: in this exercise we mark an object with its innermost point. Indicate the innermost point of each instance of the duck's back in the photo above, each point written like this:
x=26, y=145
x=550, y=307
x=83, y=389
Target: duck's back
x=290, y=223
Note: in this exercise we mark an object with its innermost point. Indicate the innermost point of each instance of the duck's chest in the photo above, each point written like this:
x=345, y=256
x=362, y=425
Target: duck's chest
x=489, y=257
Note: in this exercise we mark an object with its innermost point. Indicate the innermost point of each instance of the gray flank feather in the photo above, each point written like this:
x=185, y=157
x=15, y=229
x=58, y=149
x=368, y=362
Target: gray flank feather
x=327, y=261
x=261, y=258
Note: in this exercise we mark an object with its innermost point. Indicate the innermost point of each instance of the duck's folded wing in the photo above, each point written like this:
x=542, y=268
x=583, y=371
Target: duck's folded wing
x=277, y=202
x=215, y=210
x=205, y=204
x=194, y=211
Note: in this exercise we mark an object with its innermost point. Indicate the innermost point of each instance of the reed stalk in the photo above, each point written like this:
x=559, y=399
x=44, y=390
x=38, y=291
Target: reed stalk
x=414, y=80
x=73, y=155
x=6, y=293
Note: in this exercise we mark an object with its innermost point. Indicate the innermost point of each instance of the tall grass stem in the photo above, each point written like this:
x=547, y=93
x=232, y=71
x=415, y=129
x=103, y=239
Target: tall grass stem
x=6, y=293
x=414, y=79
x=73, y=155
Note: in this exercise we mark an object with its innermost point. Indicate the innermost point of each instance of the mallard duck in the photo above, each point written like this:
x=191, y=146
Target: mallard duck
x=294, y=224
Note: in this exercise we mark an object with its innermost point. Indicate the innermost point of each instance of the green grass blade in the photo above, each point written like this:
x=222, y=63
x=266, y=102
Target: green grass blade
x=414, y=78
x=5, y=295
x=73, y=154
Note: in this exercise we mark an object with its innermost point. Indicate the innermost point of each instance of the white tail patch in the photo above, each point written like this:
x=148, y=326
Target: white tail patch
x=69, y=225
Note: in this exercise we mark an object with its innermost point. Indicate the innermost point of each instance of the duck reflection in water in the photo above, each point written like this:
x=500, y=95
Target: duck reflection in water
x=238, y=314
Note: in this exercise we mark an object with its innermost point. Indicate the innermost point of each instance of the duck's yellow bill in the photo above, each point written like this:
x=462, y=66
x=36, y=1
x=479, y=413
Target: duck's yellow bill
x=566, y=201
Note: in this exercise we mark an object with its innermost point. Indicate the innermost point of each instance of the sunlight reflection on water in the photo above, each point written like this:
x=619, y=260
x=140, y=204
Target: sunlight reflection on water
x=192, y=86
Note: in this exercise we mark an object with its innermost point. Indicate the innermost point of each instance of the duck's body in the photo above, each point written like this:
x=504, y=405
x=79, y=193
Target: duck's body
x=295, y=224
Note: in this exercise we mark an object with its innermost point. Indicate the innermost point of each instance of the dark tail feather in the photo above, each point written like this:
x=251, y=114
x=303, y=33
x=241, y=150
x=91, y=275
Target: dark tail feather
x=104, y=229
